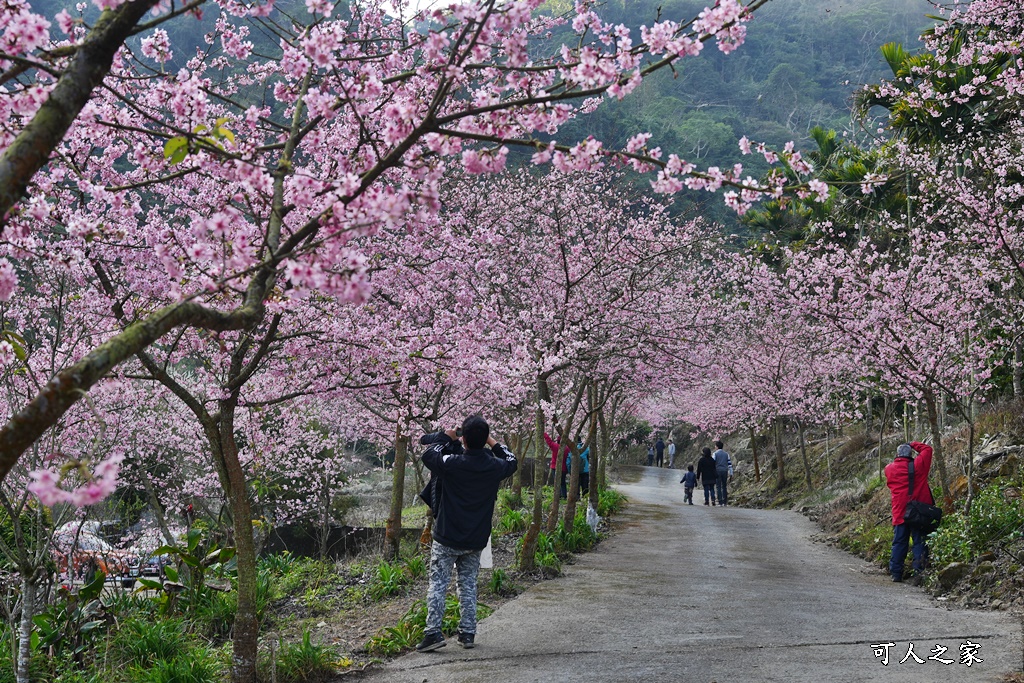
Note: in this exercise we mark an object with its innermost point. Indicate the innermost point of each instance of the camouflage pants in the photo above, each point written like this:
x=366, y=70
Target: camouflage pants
x=467, y=562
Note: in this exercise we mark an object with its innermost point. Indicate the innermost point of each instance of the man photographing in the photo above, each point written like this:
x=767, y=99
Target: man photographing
x=464, y=507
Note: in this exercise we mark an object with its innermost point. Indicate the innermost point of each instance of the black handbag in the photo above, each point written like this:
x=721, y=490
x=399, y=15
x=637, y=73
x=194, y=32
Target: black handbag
x=918, y=514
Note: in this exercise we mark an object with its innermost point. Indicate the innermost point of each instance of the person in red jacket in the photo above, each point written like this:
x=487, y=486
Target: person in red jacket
x=897, y=476
x=554, y=446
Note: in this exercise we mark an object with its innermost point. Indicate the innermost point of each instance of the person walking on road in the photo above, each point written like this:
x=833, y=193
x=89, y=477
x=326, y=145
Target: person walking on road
x=650, y=455
x=689, y=482
x=723, y=468
x=671, y=453
x=659, y=450
x=897, y=477
x=707, y=473
x=468, y=492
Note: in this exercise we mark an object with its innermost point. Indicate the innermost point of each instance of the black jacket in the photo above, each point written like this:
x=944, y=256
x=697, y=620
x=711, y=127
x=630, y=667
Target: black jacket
x=706, y=470
x=469, y=487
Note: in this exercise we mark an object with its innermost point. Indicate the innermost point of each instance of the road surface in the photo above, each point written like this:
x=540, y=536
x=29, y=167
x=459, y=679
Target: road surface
x=683, y=593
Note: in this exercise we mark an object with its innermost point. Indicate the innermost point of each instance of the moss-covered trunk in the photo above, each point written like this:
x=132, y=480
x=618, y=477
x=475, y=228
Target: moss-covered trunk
x=780, y=463
x=393, y=529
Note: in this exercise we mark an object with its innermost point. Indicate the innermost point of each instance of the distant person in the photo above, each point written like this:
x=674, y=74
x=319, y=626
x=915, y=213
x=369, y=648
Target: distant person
x=584, y=484
x=897, y=477
x=659, y=452
x=671, y=453
x=707, y=474
x=650, y=455
x=723, y=468
x=463, y=526
x=689, y=482
x=555, y=448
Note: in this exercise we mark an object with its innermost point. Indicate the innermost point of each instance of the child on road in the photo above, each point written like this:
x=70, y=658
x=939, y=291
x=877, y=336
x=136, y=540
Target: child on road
x=689, y=482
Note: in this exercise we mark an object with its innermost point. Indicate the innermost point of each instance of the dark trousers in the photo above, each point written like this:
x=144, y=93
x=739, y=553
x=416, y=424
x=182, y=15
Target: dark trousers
x=709, y=490
x=723, y=487
x=902, y=534
x=660, y=458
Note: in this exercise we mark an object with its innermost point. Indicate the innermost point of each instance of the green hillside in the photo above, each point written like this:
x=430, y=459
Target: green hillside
x=798, y=69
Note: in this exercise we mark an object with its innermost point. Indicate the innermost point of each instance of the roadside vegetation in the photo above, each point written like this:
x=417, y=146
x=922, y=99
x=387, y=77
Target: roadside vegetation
x=976, y=555
x=319, y=618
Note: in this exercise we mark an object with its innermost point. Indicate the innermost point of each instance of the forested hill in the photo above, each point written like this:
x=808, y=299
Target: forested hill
x=798, y=68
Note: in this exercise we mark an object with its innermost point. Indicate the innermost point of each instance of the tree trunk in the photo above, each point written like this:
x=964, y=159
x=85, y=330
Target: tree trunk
x=803, y=456
x=828, y=454
x=245, y=633
x=1018, y=369
x=516, y=444
x=779, y=461
x=753, y=449
x=881, y=436
x=933, y=420
x=393, y=530
x=29, y=595
x=867, y=416
x=970, y=469
x=528, y=555
x=602, y=482
x=564, y=440
x=596, y=460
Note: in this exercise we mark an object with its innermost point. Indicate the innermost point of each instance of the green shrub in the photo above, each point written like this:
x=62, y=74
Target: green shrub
x=547, y=554
x=410, y=628
x=39, y=665
x=513, y=521
x=581, y=537
x=416, y=567
x=392, y=640
x=610, y=501
x=278, y=564
x=304, y=662
x=141, y=641
x=199, y=665
x=304, y=572
x=508, y=500
x=501, y=583
x=994, y=518
x=215, y=613
x=389, y=579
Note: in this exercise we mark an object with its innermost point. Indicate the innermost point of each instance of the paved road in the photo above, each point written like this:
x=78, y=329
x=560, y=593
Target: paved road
x=685, y=593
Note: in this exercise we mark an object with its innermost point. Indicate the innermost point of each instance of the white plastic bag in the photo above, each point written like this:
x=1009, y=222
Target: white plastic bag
x=486, y=558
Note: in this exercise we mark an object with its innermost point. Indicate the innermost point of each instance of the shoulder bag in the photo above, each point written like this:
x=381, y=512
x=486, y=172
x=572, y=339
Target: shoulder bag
x=918, y=514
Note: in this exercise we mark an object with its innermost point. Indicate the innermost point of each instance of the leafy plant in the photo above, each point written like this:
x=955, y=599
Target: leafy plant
x=501, y=583
x=304, y=662
x=416, y=567
x=512, y=521
x=278, y=564
x=389, y=579
x=580, y=537
x=199, y=665
x=547, y=555
x=609, y=501
x=303, y=573
x=996, y=516
x=195, y=563
x=141, y=641
x=508, y=500
x=73, y=622
x=214, y=613
x=411, y=626
x=394, y=639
